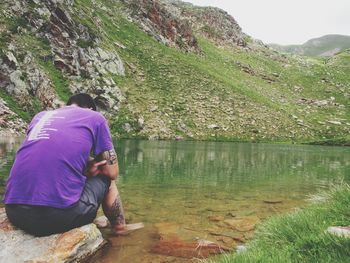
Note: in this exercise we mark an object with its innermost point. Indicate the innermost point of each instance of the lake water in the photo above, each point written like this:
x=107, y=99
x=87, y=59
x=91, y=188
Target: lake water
x=194, y=191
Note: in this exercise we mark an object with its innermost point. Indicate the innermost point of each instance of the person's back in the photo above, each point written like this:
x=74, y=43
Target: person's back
x=54, y=184
x=48, y=169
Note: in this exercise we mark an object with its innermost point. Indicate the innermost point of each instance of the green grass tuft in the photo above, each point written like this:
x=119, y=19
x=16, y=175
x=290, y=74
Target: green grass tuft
x=59, y=81
x=16, y=22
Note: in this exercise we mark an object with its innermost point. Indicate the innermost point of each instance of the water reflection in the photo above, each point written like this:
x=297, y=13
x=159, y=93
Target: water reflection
x=229, y=165
x=8, y=147
x=216, y=166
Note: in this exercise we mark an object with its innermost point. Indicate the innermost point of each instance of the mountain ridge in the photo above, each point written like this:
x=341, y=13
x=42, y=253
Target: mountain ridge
x=324, y=46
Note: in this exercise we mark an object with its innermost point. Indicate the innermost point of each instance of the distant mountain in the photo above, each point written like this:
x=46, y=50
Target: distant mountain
x=324, y=46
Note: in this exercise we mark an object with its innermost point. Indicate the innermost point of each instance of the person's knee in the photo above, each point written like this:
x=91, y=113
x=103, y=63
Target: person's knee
x=99, y=180
x=106, y=180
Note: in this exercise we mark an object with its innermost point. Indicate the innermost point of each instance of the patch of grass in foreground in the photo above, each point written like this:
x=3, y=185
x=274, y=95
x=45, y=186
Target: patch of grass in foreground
x=301, y=236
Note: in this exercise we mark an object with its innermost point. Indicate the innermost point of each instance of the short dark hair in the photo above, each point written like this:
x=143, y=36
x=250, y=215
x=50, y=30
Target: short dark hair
x=83, y=100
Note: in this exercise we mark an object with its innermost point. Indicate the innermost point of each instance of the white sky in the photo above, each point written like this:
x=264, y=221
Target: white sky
x=286, y=21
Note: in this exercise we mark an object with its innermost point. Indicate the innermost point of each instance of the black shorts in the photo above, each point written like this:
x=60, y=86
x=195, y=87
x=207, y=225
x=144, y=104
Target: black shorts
x=44, y=220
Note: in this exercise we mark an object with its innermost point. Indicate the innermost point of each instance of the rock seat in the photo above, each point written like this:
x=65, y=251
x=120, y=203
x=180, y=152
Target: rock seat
x=72, y=246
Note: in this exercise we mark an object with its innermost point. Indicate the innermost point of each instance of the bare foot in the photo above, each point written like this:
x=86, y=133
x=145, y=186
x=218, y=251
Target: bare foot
x=127, y=229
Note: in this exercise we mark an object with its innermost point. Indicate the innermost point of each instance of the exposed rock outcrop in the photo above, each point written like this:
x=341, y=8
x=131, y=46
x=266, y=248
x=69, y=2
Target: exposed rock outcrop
x=68, y=57
x=10, y=123
x=72, y=246
x=158, y=20
x=174, y=23
x=210, y=22
x=26, y=80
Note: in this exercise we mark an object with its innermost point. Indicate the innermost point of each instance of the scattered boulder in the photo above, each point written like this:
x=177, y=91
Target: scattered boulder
x=330, y=102
x=241, y=249
x=334, y=122
x=342, y=231
x=213, y=126
x=127, y=127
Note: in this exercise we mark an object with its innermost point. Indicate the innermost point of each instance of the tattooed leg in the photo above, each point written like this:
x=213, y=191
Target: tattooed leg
x=113, y=208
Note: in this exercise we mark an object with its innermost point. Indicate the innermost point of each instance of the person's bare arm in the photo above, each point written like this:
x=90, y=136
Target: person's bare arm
x=110, y=168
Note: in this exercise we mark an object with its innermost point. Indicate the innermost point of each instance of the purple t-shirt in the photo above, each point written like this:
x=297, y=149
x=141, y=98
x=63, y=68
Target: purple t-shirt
x=49, y=165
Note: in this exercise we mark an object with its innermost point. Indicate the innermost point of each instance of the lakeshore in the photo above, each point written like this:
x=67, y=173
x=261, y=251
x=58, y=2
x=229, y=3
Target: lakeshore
x=302, y=236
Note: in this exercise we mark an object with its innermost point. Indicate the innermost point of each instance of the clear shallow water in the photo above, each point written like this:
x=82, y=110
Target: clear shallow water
x=189, y=189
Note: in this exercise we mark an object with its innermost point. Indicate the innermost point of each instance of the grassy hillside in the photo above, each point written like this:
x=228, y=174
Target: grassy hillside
x=249, y=94
x=226, y=93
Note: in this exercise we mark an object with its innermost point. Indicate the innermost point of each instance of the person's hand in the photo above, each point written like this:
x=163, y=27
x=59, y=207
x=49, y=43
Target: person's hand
x=93, y=167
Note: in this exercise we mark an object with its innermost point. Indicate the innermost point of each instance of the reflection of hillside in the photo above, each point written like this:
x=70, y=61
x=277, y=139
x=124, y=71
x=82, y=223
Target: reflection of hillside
x=229, y=164
x=8, y=147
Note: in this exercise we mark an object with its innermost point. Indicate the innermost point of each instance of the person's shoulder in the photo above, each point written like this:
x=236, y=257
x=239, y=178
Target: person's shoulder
x=39, y=115
x=98, y=117
x=78, y=112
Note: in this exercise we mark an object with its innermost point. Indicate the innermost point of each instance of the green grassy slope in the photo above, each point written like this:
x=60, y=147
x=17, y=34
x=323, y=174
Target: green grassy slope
x=212, y=88
x=250, y=94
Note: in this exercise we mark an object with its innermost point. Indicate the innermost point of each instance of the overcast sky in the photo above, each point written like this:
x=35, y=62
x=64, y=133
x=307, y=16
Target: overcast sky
x=286, y=21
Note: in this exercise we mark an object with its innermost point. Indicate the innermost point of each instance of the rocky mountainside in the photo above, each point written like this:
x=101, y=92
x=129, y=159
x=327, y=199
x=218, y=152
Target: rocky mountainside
x=324, y=46
x=165, y=70
x=158, y=20
x=175, y=23
x=212, y=23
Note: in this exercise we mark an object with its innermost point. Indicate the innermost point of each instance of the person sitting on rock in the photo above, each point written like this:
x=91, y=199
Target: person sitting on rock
x=54, y=185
